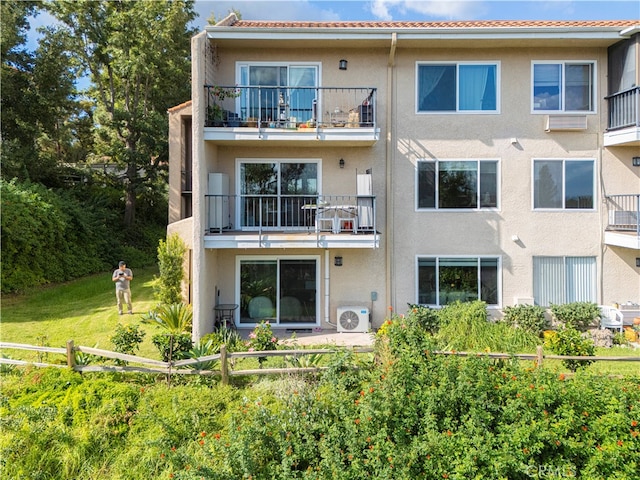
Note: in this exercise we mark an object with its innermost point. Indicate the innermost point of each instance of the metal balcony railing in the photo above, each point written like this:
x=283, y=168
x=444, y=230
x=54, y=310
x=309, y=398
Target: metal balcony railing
x=624, y=109
x=624, y=213
x=291, y=213
x=290, y=107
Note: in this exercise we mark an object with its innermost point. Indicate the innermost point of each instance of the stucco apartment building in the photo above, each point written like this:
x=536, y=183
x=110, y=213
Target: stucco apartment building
x=325, y=173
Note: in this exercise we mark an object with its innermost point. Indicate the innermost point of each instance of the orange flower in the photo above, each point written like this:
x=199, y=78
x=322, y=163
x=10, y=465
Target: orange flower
x=203, y=434
x=619, y=442
x=634, y=423
x=201, y=442
x=561, y=377
x=357, y=421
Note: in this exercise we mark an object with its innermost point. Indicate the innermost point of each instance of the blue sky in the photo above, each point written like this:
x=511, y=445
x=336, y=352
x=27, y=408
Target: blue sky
x=421, y=10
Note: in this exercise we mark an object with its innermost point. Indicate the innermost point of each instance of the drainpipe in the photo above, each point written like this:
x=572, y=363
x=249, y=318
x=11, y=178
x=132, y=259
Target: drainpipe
x=390, y=269
x=326, y=286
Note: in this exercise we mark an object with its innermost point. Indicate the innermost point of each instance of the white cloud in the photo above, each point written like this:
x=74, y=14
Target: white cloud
x=439, y=9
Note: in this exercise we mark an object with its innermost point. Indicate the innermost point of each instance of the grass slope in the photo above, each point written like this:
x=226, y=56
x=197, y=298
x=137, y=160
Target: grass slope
x=83, y=310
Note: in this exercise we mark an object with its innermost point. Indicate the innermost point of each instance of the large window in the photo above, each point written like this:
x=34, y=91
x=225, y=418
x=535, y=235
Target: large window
x=274, y=192
x=563, y=184
x=467, y=184
x=561, y=280
x=282, y=290
x=563, y=86
x=457, y=87
x=444, y=280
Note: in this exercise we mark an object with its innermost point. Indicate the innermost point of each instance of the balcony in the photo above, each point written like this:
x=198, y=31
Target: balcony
x=623, y=226
x=291, y=221
x=291, y=115
x=624, y=118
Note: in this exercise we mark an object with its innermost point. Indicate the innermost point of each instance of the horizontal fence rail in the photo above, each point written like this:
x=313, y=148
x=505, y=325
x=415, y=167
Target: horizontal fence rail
x=187, y=366
x=624, y=212
x=290, y=107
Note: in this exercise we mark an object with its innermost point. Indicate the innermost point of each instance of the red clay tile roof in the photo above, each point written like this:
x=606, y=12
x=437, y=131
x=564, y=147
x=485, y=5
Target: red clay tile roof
x=436, y=25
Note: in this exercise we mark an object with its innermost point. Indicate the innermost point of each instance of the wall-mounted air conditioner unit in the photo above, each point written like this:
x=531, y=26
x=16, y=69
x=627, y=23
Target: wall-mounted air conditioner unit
x=353, y=319
x=566, y=123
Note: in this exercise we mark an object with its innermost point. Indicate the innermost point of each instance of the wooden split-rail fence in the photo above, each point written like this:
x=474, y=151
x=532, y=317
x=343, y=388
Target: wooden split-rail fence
x=225, y=359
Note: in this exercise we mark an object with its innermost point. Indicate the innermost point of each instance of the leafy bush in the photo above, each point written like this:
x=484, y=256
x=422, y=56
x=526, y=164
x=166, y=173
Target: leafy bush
x=173, y=346
x=230, y=337
x=578, y=315
x=426, y=317
x=528, y=317
x=175, y=318
x=464, y=326
x=262, y=339
x=127, y=338
x=569, y=341
x=170, y=262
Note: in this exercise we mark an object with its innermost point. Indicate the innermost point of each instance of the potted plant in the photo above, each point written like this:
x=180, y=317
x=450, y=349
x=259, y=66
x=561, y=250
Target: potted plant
x=217, y=116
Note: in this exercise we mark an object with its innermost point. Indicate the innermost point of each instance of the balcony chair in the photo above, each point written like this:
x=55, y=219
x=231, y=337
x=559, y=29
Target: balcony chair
x=260, y=308
x=611, y=317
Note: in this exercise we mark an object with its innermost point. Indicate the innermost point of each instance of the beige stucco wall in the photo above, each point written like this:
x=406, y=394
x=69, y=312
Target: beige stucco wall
x=408, y=233
x=464, y=136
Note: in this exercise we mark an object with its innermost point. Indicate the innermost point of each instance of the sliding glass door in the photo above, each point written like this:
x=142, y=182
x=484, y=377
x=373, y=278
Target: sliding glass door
x=282, y=290
x=273, y=193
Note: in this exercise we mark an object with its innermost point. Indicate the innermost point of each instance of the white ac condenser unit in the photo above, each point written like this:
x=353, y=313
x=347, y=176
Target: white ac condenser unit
x=353, y=319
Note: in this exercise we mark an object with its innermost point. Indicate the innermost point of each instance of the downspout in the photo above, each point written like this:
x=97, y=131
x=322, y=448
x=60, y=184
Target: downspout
x=326, y=287
x=390, y=127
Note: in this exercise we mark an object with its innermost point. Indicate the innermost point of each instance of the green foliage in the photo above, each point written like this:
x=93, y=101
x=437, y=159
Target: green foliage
x=127, y=339
x=262, y=339
x=578, y=315
x=569, y=341
x=528, y=317
x=170, y=262
x=230, y=337
x=427, y=317
x=175, y=318
x=410, y=414
x=173, y=346
x=47, y=237
x=204, y=348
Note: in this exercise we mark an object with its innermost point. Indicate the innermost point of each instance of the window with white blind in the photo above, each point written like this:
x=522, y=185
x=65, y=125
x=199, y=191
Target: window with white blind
x=559, y=280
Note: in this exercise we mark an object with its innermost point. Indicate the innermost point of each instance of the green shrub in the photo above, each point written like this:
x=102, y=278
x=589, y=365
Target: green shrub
x=173, y=346
x=426, y=317
x=569, y=341
x=229, y=336
x=262, y=339
x=528, y=317
x=170, y=262
x=578, y=315
x=127, y=339
x=464, y=326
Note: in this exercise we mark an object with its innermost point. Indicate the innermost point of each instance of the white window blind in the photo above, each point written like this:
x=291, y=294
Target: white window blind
x=560, y=280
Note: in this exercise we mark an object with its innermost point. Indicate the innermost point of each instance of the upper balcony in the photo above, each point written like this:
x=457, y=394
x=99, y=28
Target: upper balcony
x=623, y=227
x=624, y=118
x=305, y=116
x=291, y=221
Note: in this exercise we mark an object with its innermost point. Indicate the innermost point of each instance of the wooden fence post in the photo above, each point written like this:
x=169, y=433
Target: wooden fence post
x=224, y=367
x=71, y=358
x=539, y=355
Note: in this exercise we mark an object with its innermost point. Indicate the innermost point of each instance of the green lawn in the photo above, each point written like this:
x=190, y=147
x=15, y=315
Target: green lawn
x=83, y=310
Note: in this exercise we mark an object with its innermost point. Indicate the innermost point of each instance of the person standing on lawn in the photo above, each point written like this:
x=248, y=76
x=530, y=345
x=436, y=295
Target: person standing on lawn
x=122, y=276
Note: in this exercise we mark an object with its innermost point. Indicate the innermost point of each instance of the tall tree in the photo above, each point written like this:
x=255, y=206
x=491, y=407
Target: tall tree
x=136, y=54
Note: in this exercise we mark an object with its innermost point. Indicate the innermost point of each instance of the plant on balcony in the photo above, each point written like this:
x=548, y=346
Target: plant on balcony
x=215, y=113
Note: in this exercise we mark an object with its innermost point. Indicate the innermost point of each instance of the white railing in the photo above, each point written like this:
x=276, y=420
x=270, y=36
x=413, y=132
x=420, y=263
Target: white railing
x=624, y=212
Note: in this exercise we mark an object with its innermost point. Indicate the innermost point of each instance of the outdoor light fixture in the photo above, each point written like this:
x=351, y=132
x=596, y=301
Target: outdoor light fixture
x=337, y=261
x=343, y=64
x=341, y=163
x=637, y=262
x=635, y=161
